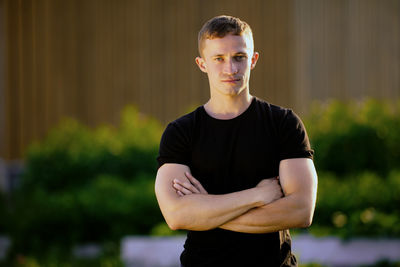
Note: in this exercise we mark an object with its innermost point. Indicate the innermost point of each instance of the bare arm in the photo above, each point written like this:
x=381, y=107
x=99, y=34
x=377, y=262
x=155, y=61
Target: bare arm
x=298, y=179
x=200, y=211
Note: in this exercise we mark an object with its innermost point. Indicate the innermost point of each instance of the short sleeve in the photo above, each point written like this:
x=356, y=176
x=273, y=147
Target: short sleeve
x=174, y=145
x=293, y=139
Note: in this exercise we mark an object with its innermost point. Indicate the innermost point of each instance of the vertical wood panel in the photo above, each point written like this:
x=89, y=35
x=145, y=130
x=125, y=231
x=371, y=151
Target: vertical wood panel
x=88, y=59
x=346, y=50
x=3, y=76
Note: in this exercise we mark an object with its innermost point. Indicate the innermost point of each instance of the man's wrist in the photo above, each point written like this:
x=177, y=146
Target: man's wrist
x=259, y=199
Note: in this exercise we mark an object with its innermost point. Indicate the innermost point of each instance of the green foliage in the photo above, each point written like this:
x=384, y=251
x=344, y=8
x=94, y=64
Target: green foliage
x=73, y=153
x=355, y=137
x=357, y=153
x=358, y=205
x=87, y=185
x=107, y=208
x=383, y=263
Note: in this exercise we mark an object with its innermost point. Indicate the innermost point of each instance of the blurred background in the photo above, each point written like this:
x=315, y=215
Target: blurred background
x=87, y=87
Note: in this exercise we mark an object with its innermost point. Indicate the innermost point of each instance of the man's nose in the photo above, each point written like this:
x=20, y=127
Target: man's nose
x=230, y=67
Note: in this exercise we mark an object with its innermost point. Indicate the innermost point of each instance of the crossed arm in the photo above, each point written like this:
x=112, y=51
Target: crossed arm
x=186, y=205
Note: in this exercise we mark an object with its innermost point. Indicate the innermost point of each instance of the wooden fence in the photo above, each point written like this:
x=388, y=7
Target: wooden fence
x=88, y=59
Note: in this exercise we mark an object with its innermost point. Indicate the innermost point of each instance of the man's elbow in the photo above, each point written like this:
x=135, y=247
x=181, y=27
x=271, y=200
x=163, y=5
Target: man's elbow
x=306, y=218
x=306, y=222
x=180, y=222
x=173, y=225
x=174, y=221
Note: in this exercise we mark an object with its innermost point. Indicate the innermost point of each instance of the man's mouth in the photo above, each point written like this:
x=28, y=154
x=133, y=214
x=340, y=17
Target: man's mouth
x=231, y=80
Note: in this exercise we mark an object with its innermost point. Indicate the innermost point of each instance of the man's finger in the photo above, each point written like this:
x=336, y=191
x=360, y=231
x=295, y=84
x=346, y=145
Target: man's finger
x=185, y=191
x=191, y=187
x=191, y=178
x=187, y=185
x=196, y=183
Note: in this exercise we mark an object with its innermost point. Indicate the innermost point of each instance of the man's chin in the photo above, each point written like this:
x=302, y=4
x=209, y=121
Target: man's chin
x=235, y=92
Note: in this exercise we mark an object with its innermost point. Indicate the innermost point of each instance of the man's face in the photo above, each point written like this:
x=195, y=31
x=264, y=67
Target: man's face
x=227, y=62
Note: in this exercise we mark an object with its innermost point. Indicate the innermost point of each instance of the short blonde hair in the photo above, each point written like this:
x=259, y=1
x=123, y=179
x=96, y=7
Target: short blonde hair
x=220, y=26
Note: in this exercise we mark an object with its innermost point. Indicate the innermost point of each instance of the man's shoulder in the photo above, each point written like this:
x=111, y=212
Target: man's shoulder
x=181, y=129
x=273, y=110
x=187, y=121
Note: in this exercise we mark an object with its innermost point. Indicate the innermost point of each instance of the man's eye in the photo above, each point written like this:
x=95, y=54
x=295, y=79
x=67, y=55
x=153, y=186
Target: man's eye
x=219, y=59
x=240, y=58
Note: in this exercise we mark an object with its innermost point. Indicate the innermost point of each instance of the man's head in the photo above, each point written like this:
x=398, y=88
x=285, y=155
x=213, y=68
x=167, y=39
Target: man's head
x=220, y=26
x=227, y=55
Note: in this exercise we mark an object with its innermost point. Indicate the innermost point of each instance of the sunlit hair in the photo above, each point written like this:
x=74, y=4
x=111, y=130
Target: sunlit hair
x=220, y=26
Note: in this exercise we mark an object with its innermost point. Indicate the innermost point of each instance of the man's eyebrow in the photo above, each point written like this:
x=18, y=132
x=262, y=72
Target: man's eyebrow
x=236, y=54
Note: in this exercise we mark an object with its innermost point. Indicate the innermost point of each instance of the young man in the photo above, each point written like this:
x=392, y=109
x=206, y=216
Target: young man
x=237, y=172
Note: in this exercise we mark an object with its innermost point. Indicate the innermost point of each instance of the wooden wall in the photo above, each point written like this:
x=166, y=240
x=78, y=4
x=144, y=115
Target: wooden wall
x=89, y=58
x=346, y=50
x=2, y=80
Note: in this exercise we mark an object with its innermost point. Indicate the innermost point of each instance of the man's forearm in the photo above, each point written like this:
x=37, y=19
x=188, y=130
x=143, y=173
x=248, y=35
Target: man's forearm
x=285, y=213
x=203, y=211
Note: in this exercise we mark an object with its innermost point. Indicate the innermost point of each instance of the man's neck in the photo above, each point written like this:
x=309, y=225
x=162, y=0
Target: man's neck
x=227, y=107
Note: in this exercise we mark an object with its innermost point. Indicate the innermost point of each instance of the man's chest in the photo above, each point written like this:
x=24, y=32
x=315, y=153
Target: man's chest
x=240, y=155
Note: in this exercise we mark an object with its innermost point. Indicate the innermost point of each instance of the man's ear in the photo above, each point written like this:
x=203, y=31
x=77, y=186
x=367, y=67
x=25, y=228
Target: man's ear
x=201, y=64
x=254, y=59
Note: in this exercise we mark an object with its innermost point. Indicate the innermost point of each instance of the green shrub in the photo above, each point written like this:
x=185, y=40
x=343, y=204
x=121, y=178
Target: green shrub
x=355, y=137
x=72, y=154
x=358, y=205
x=107, y=208
x=383, y=263
x=357, y=153
x=87, y=185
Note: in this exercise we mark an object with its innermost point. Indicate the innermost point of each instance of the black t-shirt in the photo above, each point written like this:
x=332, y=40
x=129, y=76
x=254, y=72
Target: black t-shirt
x=232, y=155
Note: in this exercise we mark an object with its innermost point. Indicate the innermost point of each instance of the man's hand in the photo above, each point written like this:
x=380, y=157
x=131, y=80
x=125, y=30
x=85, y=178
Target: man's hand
x=187, y=188
x=269, y=189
